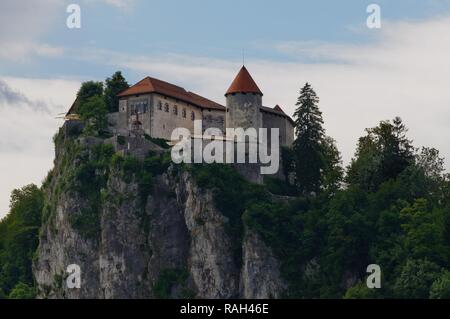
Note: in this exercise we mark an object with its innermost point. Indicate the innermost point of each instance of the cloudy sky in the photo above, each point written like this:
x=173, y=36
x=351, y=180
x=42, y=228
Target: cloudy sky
x=362, y=75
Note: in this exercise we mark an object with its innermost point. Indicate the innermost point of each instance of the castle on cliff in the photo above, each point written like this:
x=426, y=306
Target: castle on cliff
x=161, y=107
x=153, y=108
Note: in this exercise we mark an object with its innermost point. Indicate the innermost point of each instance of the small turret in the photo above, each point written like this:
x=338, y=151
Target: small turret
x=243, y=102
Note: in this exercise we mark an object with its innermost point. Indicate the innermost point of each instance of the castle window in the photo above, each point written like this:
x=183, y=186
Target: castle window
x=175, y=110
x=192, y=116
x=143, y=107
x=159, y=105
x=183, y=113
x=166, y=107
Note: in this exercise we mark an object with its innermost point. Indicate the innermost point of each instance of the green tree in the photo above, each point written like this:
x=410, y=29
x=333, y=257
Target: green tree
x=424, y=232
x=114, y=85
x=89, y=89
x=19, y=237
x=360, y=291
x=416, y=279
x=333, y=173
x=22, y=291
x=441, y=287
x=309, y=161
x=93, y=113
x=381, y=155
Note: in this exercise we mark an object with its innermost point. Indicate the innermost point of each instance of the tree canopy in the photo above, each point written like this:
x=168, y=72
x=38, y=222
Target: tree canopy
x=114, y=85
x=19, y=239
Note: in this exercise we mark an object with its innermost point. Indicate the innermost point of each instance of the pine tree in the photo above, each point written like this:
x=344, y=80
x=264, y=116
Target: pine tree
x=309, y=135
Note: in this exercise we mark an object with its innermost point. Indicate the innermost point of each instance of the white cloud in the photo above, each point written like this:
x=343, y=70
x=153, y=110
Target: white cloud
x=120, y=3
x=27, y=124
x=126, y=5
x=23, y=23
x=405, y=72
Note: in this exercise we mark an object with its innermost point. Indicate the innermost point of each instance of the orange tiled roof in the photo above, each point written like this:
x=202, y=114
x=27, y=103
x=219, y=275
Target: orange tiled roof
x=152, y=85
x=205, y=103
x=243, y=83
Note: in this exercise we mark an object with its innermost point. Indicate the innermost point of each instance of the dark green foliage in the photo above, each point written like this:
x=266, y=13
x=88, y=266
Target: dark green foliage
x=93, y=113
x=142, y=172
x=315, y=159
x=158, y=141
x=381, y=155
x=22, y=291
x=396, y=217
x=121, y=140
x=279, y=187
x=332, y=173
x=285, y=228
x=89, y=177
x=19, y=238
x=307, y=145
x=287, y=162
x=74, y=130
x=87, y=90
x=113, y=86
x=416, y=279
x=360, y=291
x=441, y=287
x=168, y=279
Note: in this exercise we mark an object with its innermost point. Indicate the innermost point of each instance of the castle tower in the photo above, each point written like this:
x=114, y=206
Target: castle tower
x=243, y=102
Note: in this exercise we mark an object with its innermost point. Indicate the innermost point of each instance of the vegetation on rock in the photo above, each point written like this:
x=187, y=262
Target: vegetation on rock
x=390, y=206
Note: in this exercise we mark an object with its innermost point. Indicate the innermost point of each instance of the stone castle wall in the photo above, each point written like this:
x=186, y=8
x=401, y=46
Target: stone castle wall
x=244, y=110
x=160, y=115
x=271, y=120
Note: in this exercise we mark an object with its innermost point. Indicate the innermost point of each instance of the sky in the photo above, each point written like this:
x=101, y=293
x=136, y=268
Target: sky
x=361, y=75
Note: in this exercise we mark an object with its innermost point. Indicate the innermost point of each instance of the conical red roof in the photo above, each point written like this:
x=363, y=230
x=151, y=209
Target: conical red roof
x=243, y=83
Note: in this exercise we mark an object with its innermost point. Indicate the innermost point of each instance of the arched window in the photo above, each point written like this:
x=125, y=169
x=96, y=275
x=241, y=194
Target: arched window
x=175, y=110
x=183, y=113
x=192, y=116
x=166, y=107
x=159, y=105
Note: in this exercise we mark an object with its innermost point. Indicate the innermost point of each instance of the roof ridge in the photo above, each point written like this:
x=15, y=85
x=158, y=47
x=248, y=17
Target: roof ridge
x=165, y=82
x=154, y=85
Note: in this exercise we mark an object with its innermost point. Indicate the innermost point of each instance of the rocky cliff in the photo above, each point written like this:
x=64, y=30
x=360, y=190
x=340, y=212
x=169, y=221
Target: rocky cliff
x=142, y=229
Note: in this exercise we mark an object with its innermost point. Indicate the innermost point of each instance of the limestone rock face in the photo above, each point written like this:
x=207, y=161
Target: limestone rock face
x=210, y=257
x=260, y=275
x=172, y=243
